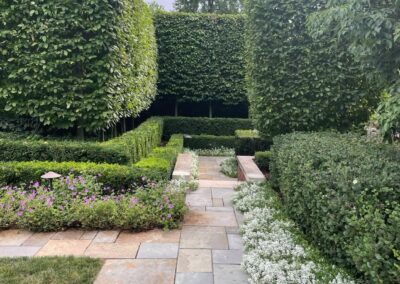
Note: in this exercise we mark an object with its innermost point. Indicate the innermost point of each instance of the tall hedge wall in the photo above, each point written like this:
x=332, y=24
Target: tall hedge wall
x=201, y=57
x=76, y=63
x=295, y=82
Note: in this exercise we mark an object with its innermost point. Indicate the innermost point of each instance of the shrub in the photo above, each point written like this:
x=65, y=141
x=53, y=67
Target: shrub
x=90, y=64
x=209, y=141
x=343, y=192
x=249, y=141
x=125, y=149
x=263, y=160
x=161, y=161
x=216, y=152
x=201, y=57
x=229, y=167
x=203, y=125
x=275, y=250
x=79, y=202
x=296, y=82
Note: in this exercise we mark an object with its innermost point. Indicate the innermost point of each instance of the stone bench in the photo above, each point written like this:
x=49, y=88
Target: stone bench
x=183, y=167
x=248, y=170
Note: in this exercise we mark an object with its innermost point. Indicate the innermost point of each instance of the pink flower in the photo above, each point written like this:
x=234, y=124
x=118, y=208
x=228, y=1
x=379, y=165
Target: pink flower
x=170, y=206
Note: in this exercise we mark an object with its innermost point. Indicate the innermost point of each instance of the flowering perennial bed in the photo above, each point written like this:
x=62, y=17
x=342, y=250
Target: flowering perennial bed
x=275, y=251
x=82, y=202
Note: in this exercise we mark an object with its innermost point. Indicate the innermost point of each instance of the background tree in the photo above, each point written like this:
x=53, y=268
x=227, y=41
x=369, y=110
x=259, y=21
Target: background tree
x=209, y=6
x=371, y=32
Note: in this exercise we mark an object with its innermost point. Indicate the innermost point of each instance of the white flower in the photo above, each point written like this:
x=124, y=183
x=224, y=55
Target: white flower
x=355, y=181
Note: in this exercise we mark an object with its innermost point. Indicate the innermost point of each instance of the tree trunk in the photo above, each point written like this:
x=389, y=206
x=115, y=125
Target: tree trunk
x=123, y=125
x=176, y=107
x=210, y=111
x=80, y=132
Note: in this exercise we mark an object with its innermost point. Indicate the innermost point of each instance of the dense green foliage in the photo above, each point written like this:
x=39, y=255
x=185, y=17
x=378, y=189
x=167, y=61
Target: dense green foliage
x=344, y=193
x=76, y=64
x=202, y=125
x=209, y=6
x=371, y=32
x=157, y=166
x=161, y=161
x=296, y=82
x=209, y=141
x=79, y=201
x=61, y=270
x=229, y=167
x=125, y=149
x=249, y=141
x=263, y=159
x=201, y=57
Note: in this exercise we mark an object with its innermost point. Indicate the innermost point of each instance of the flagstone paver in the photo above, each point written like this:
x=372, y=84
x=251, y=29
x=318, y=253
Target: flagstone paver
x=137, y=271
x=194, y=260
x=207, y=249
x=158, y=250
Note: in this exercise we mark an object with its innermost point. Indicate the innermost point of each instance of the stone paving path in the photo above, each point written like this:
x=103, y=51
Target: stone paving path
x=208, y=249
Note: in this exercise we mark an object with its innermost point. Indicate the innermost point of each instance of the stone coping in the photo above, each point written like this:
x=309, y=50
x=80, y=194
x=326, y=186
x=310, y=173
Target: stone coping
x=248, y=170
x=183, y=167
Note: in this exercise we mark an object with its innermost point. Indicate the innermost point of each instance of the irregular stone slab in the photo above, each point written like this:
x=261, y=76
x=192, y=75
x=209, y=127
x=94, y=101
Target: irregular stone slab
x=89, y=235
x=112, y=250
x=248, y=169
x=198, y=200
x=223, y=192
x=219, y=183
x=18, y=251
x=14, y=237
x=183, y=167
x=137, y=271
x=206, y=191
x=210, y=218
x=229, y=274
x=71, y=234
x=227, y=256
x=64, y=247
x=197, y=208
x=219, y=209
x=235, y=241
x=204, y=237
x=194, y=260
x=155, y=250
x=194, y=278
x=152, y=236
x=38, y=239
x=106, y=236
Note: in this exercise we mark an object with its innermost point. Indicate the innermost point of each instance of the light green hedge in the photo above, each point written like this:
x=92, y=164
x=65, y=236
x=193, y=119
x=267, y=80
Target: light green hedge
x=201, y=57
x=79, y=64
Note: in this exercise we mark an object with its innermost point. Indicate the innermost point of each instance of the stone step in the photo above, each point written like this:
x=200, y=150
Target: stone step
x=248, y=170
x=183, y=167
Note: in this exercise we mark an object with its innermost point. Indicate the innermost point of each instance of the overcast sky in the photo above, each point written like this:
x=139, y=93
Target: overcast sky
x=167, y=4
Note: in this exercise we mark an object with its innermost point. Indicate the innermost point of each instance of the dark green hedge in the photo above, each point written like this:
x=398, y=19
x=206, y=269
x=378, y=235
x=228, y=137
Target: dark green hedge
x=201, y=57
x=295, y=82
x=157, y=166
x=76, y=63
x=263, y=160
x=249, y=141
x=203, y=125
x=125, y=149
x=209, y=142
x=344, y=194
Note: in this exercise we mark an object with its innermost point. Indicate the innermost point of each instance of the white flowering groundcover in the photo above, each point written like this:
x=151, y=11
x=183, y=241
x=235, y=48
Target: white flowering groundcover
x=275, y=250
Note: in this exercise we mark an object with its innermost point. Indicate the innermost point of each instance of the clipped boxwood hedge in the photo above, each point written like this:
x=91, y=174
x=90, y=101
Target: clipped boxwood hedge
x=82, y=64
x=344, y=193
x=249, y=141
x=209, y=142
x=204, y=125
x=263, y=159
x=125, y=149
x=157, y=166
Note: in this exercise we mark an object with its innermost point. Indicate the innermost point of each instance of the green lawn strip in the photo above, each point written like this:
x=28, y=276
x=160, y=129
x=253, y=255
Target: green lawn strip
x=49, y=270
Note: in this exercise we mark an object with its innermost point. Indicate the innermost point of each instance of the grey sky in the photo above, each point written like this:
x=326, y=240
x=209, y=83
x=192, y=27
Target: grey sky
x=167, y=4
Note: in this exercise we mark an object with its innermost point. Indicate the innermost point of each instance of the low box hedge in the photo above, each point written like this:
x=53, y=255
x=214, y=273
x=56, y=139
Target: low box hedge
x=209, y=141
x=249, y=141
x=263, y=159
x=344, y=193
x=125, y=149
x=157, y=166
x=204, y=125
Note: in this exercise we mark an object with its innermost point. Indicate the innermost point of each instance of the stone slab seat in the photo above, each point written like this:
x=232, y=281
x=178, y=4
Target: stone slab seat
x=183, y=167
x=248, y=170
